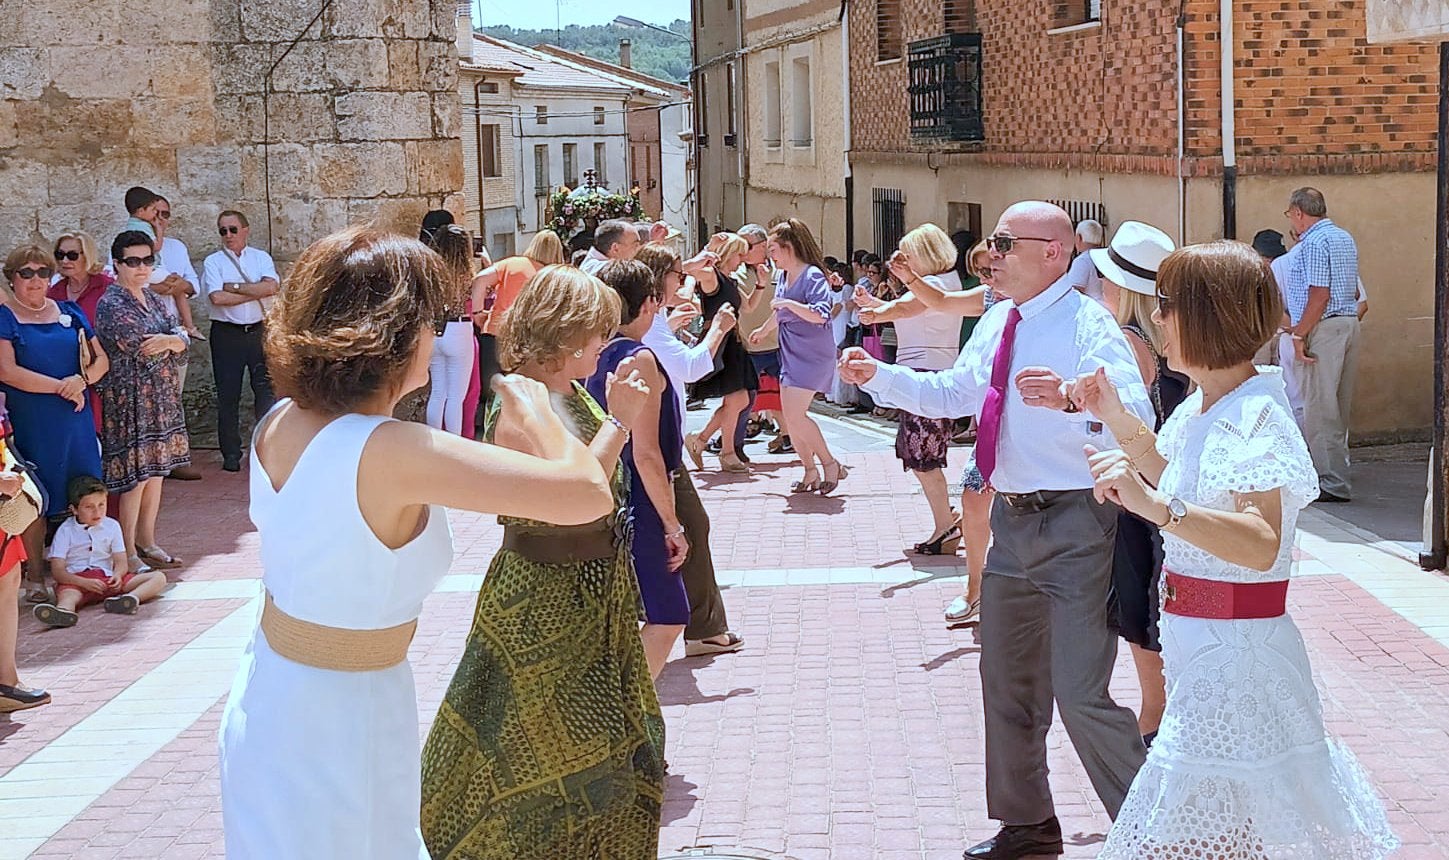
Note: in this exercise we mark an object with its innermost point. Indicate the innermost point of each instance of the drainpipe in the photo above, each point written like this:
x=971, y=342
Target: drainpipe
x=742, y=122
x=1434, y=555
x=478, y=151
x=1230, y=126
x=845, y=155
x=1181, y=129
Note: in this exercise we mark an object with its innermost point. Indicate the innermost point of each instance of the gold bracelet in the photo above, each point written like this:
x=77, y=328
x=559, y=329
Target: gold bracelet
x=1141, y=431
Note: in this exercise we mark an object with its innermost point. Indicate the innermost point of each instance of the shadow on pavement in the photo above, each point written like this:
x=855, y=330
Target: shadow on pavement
x=678, y=686
x=679, y=799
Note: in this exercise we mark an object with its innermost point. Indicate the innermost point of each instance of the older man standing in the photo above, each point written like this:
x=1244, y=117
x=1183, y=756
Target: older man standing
x=1044, y=630
x=238, y=280
x=1322, y=293
x=1083, y=275
x=613, y=240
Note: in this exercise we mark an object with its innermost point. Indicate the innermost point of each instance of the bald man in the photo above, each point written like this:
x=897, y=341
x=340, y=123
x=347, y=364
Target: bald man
x=1044, y=633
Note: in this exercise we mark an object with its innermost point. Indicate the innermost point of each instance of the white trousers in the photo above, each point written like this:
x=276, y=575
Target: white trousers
x=451, y=369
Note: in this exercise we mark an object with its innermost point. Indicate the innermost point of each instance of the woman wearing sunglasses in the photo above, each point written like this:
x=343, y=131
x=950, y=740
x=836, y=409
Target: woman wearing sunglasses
x=143, y=428
x=45, y=386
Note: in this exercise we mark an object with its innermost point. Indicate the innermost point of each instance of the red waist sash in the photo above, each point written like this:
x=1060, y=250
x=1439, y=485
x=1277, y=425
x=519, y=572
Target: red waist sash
x=1211, y=598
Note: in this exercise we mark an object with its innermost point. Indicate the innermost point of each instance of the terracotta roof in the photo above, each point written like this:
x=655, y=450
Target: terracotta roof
x=634, y=78
x=538, y=69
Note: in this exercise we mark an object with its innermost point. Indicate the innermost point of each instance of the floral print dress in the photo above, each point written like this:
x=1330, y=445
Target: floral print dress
x=143, y=427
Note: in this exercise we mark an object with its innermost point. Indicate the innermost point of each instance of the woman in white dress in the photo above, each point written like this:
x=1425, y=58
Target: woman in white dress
x=319, y=740
x=1242, y=768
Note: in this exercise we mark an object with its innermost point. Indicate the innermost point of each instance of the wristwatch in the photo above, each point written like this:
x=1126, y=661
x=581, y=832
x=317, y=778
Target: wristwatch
x=1176, y=510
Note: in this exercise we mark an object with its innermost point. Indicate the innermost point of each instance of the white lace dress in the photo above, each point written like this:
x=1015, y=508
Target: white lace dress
x=1241, y=768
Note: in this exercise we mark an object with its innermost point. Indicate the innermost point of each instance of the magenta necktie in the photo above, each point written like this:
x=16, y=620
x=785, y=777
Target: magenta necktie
x=988, y=430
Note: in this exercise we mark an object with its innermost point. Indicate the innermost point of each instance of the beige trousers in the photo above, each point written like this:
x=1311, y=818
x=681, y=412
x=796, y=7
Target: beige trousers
x=1327, y=388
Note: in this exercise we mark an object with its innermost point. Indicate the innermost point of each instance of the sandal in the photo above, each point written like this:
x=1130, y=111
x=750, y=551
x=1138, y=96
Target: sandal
x=944, y=543
x=695, y=448
x=732, y=463
x=962, y=611
x=158, y=558
x=700, y=647
x=806, y=484
x=137, y=566
x=842, y=472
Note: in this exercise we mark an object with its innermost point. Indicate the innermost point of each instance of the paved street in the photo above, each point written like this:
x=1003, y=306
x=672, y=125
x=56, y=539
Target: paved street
x=850, y=727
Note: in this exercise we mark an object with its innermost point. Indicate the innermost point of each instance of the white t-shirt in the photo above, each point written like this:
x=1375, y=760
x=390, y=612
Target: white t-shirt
x=174, y=258
x=841, y=320
x=1083, y=276
x=218, y=270
x=88, y=547
x=930, y=340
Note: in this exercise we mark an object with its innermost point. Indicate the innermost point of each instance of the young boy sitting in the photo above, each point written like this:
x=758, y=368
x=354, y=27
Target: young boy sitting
x=87, y=551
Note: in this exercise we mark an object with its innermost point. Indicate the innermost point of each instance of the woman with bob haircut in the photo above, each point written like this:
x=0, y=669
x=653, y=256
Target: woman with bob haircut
x=1242, y=768
x=736, y=376
x=351, y=507
x=550, y=741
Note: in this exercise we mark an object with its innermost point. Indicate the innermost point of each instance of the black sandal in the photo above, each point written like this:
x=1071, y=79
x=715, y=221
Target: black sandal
x=943, y=544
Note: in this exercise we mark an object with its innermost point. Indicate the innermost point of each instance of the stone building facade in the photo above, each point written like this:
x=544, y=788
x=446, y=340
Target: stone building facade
x=1083, y=110
x=307, y=124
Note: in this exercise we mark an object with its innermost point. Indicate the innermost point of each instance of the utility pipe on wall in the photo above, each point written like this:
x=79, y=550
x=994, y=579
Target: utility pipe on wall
x=1230, y=127
x=1181, y=130
x=845, y=154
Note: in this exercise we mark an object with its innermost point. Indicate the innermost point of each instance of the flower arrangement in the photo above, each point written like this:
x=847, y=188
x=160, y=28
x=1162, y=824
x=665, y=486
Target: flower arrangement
x=571, y=211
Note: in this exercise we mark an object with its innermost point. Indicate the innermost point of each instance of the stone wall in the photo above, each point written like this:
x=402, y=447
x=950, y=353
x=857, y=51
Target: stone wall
x=362, y=117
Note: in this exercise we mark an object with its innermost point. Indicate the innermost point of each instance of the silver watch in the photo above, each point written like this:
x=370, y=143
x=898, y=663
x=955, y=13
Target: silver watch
x=1176, y=510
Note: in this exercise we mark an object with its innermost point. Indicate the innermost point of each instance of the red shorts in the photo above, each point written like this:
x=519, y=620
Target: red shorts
x=767, y=399
x=12, y=554
x=88, y=598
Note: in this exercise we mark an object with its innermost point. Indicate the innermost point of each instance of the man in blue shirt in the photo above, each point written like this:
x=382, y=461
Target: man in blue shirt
x=1322, y=293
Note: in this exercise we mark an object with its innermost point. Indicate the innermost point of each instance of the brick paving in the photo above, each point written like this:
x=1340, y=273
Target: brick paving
x=850, y=727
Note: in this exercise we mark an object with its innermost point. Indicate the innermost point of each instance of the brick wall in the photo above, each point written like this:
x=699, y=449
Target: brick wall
x=1313, y=95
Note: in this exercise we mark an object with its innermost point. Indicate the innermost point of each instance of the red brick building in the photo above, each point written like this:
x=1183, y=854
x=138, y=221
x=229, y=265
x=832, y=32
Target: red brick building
x=960, y=108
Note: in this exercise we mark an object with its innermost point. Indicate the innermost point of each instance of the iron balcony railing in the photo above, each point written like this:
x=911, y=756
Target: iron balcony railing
x=945, y=89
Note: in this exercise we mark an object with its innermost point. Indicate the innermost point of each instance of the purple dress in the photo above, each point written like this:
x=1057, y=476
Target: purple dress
x=665, y=600
x=807, y=349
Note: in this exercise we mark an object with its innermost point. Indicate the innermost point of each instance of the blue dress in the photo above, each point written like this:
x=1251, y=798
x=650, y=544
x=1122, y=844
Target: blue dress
x=662, y=590
x=807, y=349
x=59, y=441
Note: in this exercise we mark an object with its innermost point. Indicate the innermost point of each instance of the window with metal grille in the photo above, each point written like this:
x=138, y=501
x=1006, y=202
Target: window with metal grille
x=1081, y=210
x=772, y=105
x=889, y=205
x=887, y=30
x=540, y=170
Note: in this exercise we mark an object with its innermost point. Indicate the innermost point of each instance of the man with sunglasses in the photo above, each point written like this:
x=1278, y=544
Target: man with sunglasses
x=239, y=281
x=1044, y=627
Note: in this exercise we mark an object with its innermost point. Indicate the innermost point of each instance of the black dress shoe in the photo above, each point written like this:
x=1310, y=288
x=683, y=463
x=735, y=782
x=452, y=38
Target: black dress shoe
x=231, y=464
x=1016, y=841
x=1326, y=496
x=21, y=698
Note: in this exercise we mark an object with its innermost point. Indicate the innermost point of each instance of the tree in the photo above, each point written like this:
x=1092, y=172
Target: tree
x=655, y=53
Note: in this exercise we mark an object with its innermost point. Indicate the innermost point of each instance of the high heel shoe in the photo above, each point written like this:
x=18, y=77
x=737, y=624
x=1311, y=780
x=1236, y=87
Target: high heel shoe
x=944, y=543
x=732, y=463
x=842, y=471
x=806, y=484
x=694, y=446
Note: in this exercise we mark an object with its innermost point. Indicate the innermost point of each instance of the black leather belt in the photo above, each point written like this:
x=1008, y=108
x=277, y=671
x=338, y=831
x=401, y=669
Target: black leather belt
x=1036, y=501
x=245, y=327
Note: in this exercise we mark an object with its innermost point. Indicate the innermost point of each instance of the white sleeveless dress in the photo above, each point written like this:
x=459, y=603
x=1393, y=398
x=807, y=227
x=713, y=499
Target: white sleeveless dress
x=317, y=763
x=1242, y=768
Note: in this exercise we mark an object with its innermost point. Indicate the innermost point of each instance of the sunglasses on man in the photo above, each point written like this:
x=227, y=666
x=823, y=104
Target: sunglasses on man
x=138, y=262
x=44, y=272
x=1002, y=244
x=228, y=230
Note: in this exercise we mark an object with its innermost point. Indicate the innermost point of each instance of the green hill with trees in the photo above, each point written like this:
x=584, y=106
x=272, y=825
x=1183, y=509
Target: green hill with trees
x=655, y=53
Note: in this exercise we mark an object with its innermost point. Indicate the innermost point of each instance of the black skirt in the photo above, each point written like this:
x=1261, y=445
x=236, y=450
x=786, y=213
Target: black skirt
x=1136, y=568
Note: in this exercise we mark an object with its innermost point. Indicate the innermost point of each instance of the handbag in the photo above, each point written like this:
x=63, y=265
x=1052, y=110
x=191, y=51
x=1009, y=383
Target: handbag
x=85, y=356
x=871, y=343
x=17, y=512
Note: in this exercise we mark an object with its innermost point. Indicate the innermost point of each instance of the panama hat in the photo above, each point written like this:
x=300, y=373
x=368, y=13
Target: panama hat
x=1131, y=260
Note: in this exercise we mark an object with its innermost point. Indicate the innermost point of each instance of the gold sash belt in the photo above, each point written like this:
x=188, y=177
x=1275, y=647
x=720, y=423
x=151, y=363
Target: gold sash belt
x=335, y=648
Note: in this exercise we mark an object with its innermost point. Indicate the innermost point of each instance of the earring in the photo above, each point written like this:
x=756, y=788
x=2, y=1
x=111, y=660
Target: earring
x=578, y=353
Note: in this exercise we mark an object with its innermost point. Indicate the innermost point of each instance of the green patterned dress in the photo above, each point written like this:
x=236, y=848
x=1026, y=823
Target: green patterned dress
x=550, y=743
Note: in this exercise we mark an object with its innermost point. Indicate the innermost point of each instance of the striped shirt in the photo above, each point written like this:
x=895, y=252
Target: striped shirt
x=1326, y=256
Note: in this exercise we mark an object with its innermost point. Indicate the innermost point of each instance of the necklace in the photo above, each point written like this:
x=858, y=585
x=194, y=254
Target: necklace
x=33, y=310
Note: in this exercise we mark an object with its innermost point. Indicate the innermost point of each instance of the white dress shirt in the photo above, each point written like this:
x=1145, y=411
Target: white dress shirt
x=218, y=270
x=593, y=262
x=88, y=547
x=683, y=363
x=1039, y=448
